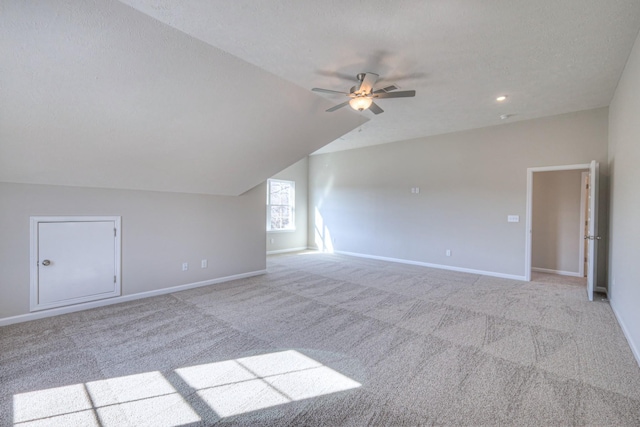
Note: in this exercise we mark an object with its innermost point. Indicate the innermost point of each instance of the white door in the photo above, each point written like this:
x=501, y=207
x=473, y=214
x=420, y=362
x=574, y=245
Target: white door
x=592, y=237
x=75, y=261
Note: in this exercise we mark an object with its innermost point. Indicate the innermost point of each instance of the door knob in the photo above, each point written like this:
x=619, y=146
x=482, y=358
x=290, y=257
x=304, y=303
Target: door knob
x=46, y=262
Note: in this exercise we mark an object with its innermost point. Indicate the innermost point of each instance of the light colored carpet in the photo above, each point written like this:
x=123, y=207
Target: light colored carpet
x=328, y=340
x=557, y=279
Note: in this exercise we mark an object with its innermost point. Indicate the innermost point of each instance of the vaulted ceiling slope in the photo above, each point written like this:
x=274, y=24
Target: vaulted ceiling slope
x=214, y=96
x=549, y=56
x=98, y=94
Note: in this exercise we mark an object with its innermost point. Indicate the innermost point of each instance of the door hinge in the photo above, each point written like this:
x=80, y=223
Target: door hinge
x=114, y=232
x=114, y=279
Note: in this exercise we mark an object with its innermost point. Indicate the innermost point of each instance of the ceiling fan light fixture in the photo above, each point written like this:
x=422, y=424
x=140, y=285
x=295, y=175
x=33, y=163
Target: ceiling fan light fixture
x=361, y=96
x=360, y=103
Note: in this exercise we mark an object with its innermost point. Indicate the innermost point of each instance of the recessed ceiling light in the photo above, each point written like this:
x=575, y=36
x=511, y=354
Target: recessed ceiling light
x=501, y=98
x=505, y=116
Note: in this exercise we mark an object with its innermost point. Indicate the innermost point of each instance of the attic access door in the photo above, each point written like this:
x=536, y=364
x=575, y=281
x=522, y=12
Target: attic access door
x=74, y=260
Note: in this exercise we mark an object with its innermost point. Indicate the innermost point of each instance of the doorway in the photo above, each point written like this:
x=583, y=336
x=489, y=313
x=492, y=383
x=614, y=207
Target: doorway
x=557, y=238
x=591, y=213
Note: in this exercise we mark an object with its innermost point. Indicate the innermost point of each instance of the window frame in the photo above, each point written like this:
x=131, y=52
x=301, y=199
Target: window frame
x=291, y=205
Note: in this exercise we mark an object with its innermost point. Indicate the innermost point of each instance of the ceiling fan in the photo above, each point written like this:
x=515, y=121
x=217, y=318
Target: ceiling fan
x=363, y=94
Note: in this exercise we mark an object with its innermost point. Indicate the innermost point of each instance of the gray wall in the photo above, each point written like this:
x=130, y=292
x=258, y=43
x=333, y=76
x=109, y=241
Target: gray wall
x=289, y=240
x=624, y=161
x=469, y=182
x=159, y=232
x=556, y=234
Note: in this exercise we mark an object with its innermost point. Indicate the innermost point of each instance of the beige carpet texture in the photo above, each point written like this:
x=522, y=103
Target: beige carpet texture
x=329, y=340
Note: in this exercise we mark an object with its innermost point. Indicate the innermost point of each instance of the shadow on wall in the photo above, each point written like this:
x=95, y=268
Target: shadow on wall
x=322, y=239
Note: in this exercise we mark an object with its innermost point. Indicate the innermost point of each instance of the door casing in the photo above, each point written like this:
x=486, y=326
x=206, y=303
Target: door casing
x=529, y=212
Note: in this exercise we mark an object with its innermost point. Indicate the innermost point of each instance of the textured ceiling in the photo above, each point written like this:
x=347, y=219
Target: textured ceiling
x=214, y=96
x=549, y=56
x=97, y=94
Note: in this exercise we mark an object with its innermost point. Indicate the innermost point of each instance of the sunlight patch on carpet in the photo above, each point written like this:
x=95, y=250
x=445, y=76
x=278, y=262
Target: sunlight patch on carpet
x=111, y=402
x=263, y=381
x=228, y=388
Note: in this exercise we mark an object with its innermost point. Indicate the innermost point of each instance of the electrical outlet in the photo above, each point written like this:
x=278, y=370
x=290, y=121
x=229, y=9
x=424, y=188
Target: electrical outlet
x=185, y=266
x=204, y=264
x=448, y=252
x=272, y=241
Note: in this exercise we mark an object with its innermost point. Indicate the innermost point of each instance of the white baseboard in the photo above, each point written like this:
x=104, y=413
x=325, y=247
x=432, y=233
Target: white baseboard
x=284, y=251
x=602, y=289
x=634, y=348
x=439, y=266
x=116, y=300
x=558, y=272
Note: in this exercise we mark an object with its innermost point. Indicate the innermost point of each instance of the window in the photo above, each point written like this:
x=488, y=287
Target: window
x=281, y=201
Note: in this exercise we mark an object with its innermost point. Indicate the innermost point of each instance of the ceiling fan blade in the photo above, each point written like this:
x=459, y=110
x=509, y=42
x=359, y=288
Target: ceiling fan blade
x=386, y=89
x=336, y=107
x=336, y=74
x=375, y=108
x=368, y=81
x=317, y=89
x=401, y=94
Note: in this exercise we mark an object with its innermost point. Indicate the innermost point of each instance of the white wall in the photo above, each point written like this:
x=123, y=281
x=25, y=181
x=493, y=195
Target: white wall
x=556, y=234
x=624, y=164
x=293, y=240
x=159, y=232
x=469, y=182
